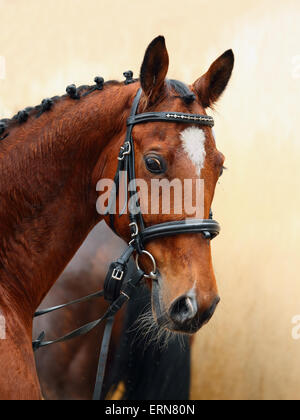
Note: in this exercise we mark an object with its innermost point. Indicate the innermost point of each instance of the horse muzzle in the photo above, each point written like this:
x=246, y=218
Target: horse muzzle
x=184, y=314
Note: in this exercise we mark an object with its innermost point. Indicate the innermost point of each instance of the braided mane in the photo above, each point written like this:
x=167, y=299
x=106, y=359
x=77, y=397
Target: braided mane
x=77, y=93
x=48, y=103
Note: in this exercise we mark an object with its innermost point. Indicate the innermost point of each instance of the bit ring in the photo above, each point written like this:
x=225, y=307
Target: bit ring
x=153, y=274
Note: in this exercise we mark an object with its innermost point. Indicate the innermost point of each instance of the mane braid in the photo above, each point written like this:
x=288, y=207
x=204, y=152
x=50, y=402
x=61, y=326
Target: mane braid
x=47, y=104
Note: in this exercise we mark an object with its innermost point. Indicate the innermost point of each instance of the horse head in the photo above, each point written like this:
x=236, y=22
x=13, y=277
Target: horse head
x=184, y=291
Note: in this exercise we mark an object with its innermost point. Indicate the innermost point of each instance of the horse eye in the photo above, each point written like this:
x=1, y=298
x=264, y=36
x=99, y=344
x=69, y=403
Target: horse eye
x=155, y=164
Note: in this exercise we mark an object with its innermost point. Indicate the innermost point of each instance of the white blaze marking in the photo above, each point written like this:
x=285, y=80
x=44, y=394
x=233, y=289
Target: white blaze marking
x=193, y=143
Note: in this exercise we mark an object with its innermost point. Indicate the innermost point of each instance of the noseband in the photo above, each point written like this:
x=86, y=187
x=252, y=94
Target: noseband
x=117, y=287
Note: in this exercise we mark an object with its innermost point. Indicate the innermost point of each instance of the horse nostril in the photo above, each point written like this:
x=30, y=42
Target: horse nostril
x=183, y=309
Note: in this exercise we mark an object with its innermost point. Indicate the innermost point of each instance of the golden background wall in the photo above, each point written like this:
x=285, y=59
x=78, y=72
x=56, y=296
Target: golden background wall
x=247, y=350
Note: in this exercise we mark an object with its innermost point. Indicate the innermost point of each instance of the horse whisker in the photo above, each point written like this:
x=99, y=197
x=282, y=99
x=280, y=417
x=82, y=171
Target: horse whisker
x=149, y=332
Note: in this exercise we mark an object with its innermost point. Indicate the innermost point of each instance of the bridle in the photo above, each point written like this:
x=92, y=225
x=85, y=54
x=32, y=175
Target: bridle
x=117, y=287
x=140, y=234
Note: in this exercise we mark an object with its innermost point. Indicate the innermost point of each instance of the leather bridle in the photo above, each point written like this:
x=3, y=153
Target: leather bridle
x=117, y=287
x=140, y=234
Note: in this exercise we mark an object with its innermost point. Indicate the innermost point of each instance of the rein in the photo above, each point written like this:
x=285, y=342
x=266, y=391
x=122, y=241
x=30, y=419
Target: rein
x=117, y=287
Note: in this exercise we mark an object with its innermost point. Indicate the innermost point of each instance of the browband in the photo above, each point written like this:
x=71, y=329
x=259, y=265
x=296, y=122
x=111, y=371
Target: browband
x=171, y=117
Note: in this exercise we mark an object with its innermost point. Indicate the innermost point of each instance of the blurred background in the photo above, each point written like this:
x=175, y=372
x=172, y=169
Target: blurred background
x=247, y=351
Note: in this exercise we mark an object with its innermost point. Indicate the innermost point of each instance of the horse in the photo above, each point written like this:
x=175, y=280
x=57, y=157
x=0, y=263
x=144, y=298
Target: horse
x=67, y=370
x=51, y=160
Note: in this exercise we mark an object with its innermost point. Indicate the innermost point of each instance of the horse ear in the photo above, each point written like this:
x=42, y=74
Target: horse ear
x=211, y=85
x=154, y=69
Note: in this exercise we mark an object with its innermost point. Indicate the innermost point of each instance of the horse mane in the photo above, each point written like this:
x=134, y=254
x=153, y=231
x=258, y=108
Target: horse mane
x=78, y=93
x=48, y=103
x=183, y=91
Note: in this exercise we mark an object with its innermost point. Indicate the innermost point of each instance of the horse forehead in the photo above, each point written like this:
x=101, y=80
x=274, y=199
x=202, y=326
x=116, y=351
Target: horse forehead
x=164, y=134
x=193, y=143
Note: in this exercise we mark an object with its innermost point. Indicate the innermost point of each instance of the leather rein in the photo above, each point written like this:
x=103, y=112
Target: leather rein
x=118, y=287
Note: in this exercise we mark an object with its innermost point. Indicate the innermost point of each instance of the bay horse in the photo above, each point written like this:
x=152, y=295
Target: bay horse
x=51, y=159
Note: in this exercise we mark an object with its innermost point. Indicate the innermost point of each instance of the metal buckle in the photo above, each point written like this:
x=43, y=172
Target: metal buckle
x=124, y=151
x=117, y=274
x=134, y=234
x=153, y=274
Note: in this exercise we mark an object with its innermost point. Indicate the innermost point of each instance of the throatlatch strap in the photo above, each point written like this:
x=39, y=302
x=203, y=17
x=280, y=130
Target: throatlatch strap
x=125, y=162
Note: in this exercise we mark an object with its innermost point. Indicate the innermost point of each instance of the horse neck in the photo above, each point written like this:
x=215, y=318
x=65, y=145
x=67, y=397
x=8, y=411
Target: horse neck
x=48, y=203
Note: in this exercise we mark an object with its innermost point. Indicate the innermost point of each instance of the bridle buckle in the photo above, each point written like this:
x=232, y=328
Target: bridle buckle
x=125, y=150
x=117, y=274
x=136, y=231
